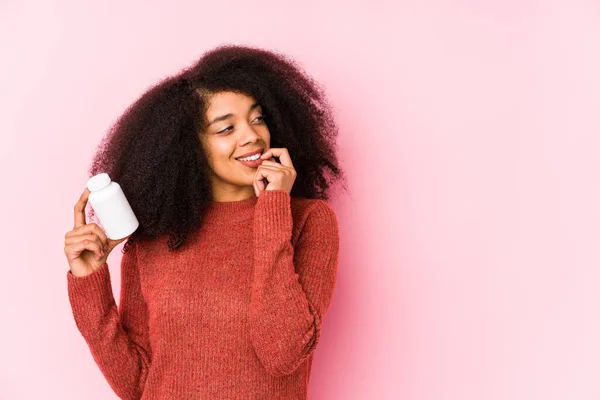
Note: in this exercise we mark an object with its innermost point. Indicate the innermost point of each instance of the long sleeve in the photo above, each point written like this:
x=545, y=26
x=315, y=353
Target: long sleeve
x=118, y=338
x=292, y=285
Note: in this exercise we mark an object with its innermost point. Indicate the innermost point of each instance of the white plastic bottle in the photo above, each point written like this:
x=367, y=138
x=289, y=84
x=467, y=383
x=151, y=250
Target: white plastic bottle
x=111, y=207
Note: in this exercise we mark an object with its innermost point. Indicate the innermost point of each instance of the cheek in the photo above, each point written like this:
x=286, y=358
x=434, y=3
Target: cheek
x=266, y=135
x=221, y=151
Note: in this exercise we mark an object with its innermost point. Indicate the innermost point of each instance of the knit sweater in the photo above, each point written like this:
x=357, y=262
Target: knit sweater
x=235, y=313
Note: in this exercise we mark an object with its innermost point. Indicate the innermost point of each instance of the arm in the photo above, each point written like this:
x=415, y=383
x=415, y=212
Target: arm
x=292, y=286
x=118, y=339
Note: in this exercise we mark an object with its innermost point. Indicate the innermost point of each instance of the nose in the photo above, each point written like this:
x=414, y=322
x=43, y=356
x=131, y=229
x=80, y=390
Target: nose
x=250, y=136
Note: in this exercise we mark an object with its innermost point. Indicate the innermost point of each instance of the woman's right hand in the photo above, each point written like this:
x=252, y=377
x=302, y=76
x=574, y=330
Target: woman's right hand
x=87, y=247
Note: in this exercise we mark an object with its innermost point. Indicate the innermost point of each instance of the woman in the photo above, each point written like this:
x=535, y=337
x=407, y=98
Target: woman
x=226, y=281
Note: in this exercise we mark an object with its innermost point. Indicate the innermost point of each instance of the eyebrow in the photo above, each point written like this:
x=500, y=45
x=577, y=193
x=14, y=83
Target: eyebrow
x=222, y=117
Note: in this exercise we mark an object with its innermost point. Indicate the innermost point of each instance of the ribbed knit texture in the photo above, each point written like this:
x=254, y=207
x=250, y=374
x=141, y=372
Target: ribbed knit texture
x=234, y=314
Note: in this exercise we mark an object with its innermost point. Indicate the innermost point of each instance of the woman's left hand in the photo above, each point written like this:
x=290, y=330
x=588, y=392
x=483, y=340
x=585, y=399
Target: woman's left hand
x=279, y=176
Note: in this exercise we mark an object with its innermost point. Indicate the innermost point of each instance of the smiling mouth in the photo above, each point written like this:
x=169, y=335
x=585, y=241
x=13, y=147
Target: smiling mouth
x=253, y=157
x=252, y=163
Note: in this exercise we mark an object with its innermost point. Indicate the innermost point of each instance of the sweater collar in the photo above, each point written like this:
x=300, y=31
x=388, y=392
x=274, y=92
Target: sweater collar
x=229, y=211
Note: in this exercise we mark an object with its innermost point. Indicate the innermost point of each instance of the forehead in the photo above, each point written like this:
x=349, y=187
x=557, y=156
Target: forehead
x=228, y=102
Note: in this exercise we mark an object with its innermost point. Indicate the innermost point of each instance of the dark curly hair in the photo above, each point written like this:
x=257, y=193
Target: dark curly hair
x=153, y=150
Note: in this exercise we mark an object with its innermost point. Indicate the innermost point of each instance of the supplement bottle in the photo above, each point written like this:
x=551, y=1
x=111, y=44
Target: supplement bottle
x=112, y=208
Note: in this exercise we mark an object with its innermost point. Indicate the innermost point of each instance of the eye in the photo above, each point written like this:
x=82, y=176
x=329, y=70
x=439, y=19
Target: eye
x=260, y=118
x=225, y=130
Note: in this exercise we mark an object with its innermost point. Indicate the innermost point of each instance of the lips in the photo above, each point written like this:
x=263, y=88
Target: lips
x=251, y=164
x=250, y=154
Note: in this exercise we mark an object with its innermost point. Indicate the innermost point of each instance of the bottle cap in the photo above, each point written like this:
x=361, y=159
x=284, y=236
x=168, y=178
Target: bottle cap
x=98, y=182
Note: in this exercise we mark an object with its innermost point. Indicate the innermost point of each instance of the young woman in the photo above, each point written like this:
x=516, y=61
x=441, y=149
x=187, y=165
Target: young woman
x=225, y=284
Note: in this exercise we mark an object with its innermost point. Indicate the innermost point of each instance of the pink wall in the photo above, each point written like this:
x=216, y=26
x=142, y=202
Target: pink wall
x=469, y=132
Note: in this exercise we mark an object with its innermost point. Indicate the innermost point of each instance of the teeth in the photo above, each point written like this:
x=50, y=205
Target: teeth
x=251, y=158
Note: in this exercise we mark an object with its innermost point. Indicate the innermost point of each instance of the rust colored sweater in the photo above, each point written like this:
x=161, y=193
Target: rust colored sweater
x=236, y=313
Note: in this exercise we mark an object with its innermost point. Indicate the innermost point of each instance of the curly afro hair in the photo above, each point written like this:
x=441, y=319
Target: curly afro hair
x=153, y=150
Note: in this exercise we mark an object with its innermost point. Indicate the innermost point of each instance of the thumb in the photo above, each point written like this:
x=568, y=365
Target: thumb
x=113, y=243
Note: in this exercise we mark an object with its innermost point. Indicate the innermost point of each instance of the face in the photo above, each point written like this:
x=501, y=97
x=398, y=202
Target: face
x=236, y=126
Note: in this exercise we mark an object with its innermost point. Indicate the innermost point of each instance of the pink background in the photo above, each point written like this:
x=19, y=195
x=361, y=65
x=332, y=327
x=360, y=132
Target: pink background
x=469, y=133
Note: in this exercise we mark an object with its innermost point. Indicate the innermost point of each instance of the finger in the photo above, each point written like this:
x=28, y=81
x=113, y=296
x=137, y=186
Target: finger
x=276, y=167
x=261, y=174
x=255, y=184
x=256, y=187
x=85, y=244
x=268, y=155
x=92, y=227
x=80, y=209
x=272, y=163
x=258, y=183
x=281, y=153
x=269, y=172
x=92, y=237
x=113, y=243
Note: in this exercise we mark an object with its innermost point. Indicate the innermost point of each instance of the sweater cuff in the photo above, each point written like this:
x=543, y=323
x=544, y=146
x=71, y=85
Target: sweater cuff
x=273, y=214
x=90, y=296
